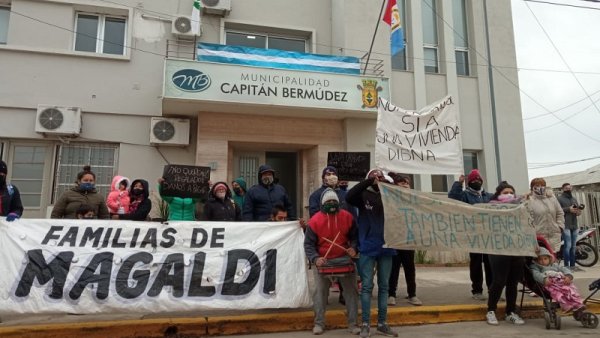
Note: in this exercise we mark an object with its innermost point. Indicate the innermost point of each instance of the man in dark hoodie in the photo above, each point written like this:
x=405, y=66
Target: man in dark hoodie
x=220, y=206
x=140, y=205
x=10, y=198
x=473, y=194
x=329, y=180
x=262, y=197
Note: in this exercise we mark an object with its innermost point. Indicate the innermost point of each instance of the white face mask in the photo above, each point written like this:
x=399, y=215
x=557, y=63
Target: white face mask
x=220, y=194
x=331, y=180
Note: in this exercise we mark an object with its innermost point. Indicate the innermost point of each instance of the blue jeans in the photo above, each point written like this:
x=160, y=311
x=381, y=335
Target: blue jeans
x=366, y=266
x=570, y=240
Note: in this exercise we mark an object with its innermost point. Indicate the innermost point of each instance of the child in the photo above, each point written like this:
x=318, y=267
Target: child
x=558, y=281
x=118, y=198
x=85, y=211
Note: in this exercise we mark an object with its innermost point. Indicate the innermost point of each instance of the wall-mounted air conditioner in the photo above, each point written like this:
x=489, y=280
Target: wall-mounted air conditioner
x=182, y=27
x=216, y=7
x=169, y=131
x=58, y=120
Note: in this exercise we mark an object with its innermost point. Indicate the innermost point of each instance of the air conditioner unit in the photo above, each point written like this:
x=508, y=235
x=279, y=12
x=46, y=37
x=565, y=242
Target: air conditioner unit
x=169, y=131
x=182, y=27
x=58, y=120
x=216, y=7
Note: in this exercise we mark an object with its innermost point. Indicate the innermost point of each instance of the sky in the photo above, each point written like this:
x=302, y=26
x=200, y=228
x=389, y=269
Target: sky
x=553, y=89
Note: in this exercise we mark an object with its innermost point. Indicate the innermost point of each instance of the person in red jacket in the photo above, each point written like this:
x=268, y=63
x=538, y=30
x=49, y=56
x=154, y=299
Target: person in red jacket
x=331, y=239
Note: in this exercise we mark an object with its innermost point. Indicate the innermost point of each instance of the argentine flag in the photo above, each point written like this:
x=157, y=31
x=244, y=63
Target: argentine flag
x=392, y=18
x=274, y=58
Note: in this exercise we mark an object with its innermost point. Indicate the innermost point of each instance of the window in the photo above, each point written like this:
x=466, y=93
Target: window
x=461, y=40
x=72, y=158
x=430, y=36
x=266, y=41
x=100, y=34
x=399, y=60
x=439, y=183
x=470, y=161
x=4, y=18
x=27, y=173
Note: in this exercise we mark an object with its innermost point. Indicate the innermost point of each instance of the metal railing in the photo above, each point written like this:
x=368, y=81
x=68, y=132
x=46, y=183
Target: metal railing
x=373, y=68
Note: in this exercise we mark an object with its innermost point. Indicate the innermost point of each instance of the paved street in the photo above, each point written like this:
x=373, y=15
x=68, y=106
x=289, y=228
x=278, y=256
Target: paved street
x=532, y=328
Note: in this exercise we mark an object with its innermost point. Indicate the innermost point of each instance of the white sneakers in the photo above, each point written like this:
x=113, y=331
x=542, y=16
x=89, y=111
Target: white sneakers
x=491, y=319
x=391, y=300
x=515, y=319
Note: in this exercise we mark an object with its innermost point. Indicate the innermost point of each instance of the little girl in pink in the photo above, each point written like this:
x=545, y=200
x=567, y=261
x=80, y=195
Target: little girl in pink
x=558, y=281
x=118, y=199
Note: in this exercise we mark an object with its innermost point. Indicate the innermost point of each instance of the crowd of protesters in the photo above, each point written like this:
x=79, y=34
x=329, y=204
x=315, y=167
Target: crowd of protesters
x=345, y=230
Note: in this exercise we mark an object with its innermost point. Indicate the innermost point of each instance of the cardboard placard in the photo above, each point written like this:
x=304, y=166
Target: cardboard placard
x=186, y=181
x=351, y=166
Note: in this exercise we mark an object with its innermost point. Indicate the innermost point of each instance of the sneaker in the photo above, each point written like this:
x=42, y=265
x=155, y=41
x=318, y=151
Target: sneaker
x=515, y=319
x=576, y=269
x=386, y=330
x=479, y=296
x=364, y=330
x=391, y=300
x=353, y=329
x=415, y=301
x=491, y=319
x=317, y=329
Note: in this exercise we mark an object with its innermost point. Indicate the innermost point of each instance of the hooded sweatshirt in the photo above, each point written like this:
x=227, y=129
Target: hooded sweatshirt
x=239, y=200
x=221, y=210
x=117, y=198
x=141, y=205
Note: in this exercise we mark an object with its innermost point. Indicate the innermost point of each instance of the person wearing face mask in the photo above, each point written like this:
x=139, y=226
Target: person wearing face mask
x=570, y=207
x=547, y=215
x=507, y=271
x=84, y=192
x=262, y=197
x=472, y=194
x=365, y=196
x=10, y=198
x=329, y=180
x=331, y=240
x=85, y=212
x=220, y=206
x=239, y=191
x=140, y=205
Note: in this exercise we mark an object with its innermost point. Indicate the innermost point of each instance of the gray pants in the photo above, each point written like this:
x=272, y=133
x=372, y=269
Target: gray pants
x=322, y=283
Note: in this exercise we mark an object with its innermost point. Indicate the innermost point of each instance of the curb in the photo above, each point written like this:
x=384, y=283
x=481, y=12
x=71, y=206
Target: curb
x=256, y=323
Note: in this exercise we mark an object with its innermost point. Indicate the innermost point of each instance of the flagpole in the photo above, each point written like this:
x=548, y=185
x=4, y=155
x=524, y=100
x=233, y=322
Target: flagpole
x=373, y=39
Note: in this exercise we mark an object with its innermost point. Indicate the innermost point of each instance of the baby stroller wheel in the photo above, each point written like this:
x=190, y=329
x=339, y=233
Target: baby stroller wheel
x=557, y=321
x=589, y=320
x=547, y=319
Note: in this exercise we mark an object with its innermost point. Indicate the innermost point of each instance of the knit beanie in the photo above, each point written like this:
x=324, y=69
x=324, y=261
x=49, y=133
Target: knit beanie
x=329, y=195
x=219, y=185
x=545, y=252
x=3, y=168
x=474, y=175
x=329, y=169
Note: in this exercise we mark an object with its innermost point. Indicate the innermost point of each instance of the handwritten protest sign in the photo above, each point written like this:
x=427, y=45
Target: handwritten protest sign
x=423, y=142
x=185, y=181
x=102, y=266
x=417, y=220
x=351, y=166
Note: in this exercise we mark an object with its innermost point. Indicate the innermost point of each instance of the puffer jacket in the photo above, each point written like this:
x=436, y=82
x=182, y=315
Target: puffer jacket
x=467, y=195
x=142, y=204
x=180, y=209
x=10, y=201
x=540, y=272
x=261, y=199
x=117, y=198
x=219, y=210
x=547, y=216
x=70, y=200
x=370, y=219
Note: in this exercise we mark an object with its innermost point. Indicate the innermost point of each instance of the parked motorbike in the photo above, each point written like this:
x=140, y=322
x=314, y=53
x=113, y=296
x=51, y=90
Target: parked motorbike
x=585, y=253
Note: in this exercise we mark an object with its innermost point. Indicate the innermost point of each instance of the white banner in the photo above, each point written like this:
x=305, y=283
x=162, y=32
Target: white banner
x=423, y=142
x=423, y=221
x=98, y=266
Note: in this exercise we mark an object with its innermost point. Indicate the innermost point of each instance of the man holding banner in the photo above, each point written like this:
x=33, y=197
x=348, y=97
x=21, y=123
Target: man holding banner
x=473, y=194
x=366, y=197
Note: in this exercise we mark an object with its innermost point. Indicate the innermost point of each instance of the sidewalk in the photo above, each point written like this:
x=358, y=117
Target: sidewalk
x=445, y=292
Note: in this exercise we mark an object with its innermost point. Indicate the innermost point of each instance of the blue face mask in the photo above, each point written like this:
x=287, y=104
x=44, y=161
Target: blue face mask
x=86, y=186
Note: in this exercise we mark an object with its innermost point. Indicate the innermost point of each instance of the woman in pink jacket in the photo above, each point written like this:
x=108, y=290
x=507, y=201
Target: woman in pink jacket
x=118, y=198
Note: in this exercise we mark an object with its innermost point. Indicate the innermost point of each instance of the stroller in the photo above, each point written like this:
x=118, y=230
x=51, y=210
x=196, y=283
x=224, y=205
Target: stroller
x=551, y=315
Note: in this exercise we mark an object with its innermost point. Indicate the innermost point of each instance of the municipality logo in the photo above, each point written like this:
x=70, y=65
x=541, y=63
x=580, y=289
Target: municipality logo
x=191, y=80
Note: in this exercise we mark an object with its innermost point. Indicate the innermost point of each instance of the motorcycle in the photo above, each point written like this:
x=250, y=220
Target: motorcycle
x=585, y=253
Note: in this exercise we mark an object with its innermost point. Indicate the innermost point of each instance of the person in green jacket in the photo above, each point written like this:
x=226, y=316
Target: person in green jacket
x=180, y=209
x=239, y=191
